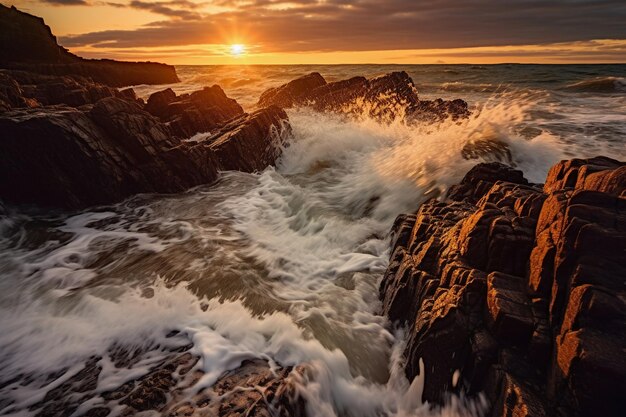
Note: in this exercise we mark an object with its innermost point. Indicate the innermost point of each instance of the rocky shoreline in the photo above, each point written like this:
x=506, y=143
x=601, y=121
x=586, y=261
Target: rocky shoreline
x=98, y=144
x=73, y=157
x=517, y=290
x=511, y=290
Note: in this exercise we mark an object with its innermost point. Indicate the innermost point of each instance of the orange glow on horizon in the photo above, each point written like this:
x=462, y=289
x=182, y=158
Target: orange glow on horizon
x=245, y=54
x=226, y=33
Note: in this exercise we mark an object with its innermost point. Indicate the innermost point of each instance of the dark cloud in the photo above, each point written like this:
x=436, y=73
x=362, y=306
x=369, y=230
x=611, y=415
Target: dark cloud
x=336, y=25
x=177, y=9
x=66, y=2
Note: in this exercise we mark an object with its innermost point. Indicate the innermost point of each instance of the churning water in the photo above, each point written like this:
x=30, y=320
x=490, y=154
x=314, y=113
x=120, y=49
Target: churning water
x=285, y=264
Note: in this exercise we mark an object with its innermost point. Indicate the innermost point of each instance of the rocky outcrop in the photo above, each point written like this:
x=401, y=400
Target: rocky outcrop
x=293, y=93
x=64, y=157
x=27, y=89
x=170, y=389
x=26, y=43
x=386, y=97
x=518, y=290
x=200, y=111
x=58, y=156
x=251, y=142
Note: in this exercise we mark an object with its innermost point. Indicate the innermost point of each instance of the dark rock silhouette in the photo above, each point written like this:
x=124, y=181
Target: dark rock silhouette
x=41, y=90
x=250, y=142
x=200, y=111
x=26, y=43
x=293, y=93
x=518, y=288
x=58, y=156
x=384, y=97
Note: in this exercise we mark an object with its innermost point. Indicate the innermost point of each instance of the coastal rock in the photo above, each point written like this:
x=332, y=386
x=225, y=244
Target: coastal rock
x=598, y=174
x=58, y=156
x=169, y=389
x=199, y=112
x=292, y=93
x=489, y=150
x=26, y=43
x=481, y=178
x=252, y=141
x=19, y=89
x=386, y=97
x=519, y=289
x=63, y=157
x=12, y=95
x=253, y=389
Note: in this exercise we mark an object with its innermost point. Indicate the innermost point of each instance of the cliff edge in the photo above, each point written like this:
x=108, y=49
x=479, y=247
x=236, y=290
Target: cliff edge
x=27, y=43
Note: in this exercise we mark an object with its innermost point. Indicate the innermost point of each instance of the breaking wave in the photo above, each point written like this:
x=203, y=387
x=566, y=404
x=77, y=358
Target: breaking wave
x=599, y=85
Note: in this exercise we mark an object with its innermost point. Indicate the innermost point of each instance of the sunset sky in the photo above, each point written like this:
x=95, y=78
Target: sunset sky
x=339, y=31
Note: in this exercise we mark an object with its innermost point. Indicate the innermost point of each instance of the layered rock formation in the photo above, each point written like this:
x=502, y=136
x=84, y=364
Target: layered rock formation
x=392, y=95
x=200, y=111
x=58, y=156
x=518, y=290
x=26, y=43
x=20, y=89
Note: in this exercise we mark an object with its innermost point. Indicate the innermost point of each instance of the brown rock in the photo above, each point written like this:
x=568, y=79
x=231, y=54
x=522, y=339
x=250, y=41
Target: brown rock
x=479, y=180
x=597, y=174
x=544, y=334
x=385, y=98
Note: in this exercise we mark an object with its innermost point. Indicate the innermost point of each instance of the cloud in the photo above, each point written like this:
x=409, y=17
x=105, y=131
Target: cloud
x=176, y=9
x=342, y=25
x=65, y=2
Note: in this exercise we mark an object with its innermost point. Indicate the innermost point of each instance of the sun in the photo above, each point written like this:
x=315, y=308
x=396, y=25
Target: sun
x=237, y=49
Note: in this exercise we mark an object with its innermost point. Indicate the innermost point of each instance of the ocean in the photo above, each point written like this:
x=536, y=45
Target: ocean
x=285, y=264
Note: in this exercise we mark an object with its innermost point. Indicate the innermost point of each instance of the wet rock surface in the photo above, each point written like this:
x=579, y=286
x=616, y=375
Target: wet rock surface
x=171, y=388
x=27, y=43
x=519, y=288
x=59, y=156
x=101, y=145
x=385, y=98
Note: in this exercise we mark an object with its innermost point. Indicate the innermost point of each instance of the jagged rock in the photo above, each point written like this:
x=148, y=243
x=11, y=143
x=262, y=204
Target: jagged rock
x=479, y=180
x=438, y=109
x=292, y=93
x=26, y=43
x=26, y=89
x=58, y=156
x=64, y=157
x=490, y=150
x=252, y=141
x=253, y=389
x=199, y=112
x=12, y=95
x=519, y=288
x=158, y=102
x=169, y=389
x=386, y=97
x=597, y=174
